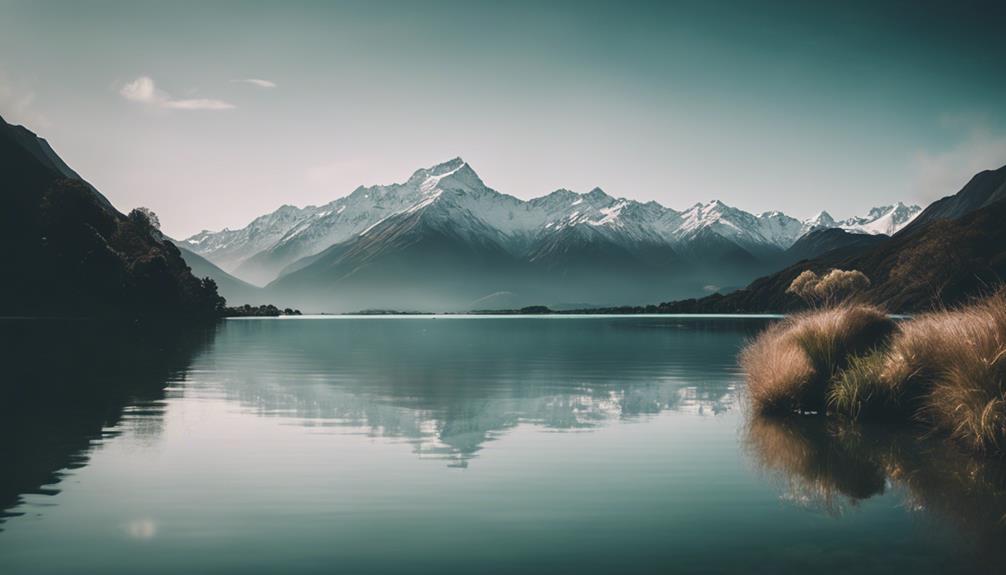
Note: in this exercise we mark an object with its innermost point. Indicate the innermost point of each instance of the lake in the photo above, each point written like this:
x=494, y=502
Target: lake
x=453, y=445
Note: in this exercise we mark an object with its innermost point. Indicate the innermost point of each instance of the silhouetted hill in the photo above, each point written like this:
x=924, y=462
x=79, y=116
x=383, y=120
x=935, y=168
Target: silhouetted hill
x=67, y=251
x=984, y=189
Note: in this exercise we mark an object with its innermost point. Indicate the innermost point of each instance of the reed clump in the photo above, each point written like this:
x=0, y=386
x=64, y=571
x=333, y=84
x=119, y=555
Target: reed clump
x=946, y=369
x=791, y=365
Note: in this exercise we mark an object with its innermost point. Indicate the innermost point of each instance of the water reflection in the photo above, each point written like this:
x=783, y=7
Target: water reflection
x=448, y=386
x=69, y=385
x=834, y=466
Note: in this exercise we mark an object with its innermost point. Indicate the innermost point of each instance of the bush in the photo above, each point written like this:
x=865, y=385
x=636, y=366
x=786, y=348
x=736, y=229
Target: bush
x=803, y=286
x=778, y=371
x=959, y=369
x=839, y=285
x=859, y=391
x=790, y=365
x=145, y=218
x=833, y=288
x=946, y=368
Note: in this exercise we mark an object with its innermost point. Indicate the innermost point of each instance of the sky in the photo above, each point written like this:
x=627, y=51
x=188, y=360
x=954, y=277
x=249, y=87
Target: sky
x=213, y=113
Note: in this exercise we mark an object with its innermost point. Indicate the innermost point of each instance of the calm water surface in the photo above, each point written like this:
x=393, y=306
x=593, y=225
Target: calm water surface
x=452, y=445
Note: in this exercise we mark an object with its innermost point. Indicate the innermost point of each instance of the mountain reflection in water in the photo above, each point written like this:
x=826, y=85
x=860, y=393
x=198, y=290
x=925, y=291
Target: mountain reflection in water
x=450, y=385
x=440, y=385
x=597, y=445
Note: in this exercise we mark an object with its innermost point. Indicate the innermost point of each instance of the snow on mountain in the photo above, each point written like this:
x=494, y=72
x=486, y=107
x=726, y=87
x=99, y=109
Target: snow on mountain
x=822, y=220
x=887, y=219
x=228, y=248
x=452, y=190
x=880, y=220
x=768, y=229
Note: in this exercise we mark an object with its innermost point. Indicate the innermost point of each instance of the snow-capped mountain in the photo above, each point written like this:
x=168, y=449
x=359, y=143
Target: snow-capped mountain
x=271, y=242
x=880, y=220
x=228, y=248
x=564, y=244
x=770, y=229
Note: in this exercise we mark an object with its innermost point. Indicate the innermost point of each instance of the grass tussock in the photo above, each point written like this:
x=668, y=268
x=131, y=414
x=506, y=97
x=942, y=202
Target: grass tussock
x=946, y=368
x=859, y=391
x=958, y=369
x=790, y=366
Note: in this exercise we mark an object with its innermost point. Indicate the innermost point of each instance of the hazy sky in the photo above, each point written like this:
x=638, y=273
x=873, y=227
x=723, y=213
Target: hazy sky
x=212, y=113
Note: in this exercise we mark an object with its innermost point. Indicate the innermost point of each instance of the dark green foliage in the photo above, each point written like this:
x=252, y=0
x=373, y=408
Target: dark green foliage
x=267, y=310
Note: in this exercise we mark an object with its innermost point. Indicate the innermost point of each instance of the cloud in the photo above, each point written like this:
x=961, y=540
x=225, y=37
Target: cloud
x=144, y=91
x=257, y=82
x=944, y=173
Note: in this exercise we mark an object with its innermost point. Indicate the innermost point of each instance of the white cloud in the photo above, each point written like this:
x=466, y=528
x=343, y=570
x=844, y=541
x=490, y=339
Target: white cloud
x=145, y=91
x=257, y=82
x=944, y=173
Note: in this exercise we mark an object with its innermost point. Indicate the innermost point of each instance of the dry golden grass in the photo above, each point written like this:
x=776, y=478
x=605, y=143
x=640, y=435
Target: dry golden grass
x=948, y=368
x=791, y=364
x=859, y=392
x=955, y=362
x=778, y=371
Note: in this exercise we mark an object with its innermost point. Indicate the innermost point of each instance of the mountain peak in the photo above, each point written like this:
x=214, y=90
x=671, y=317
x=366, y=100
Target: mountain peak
x=438, y=170
x=451, y=165
x=713, y=207
x=821, y=218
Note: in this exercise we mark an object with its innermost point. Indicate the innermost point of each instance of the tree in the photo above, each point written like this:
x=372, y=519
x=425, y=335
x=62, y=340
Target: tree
x=839, y=285
x=833, y=288
x=209, y=296
x=803, y=286
x=145, y=217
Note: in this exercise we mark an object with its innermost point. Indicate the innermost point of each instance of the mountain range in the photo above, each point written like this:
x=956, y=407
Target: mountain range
x=954, y=250
x=443, y=240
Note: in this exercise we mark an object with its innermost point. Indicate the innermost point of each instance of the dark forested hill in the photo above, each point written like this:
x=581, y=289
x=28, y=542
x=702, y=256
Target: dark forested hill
x=67, y=251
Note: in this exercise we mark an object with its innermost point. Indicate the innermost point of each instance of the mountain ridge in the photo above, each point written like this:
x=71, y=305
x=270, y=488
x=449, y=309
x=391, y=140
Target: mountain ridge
x=272, y=243
x=953, y=251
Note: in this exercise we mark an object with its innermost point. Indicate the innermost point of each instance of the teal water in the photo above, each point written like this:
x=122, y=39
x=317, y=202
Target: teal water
x=452, y=445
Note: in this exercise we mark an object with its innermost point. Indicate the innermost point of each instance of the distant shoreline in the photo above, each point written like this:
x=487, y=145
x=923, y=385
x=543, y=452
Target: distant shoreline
x=473, y=315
